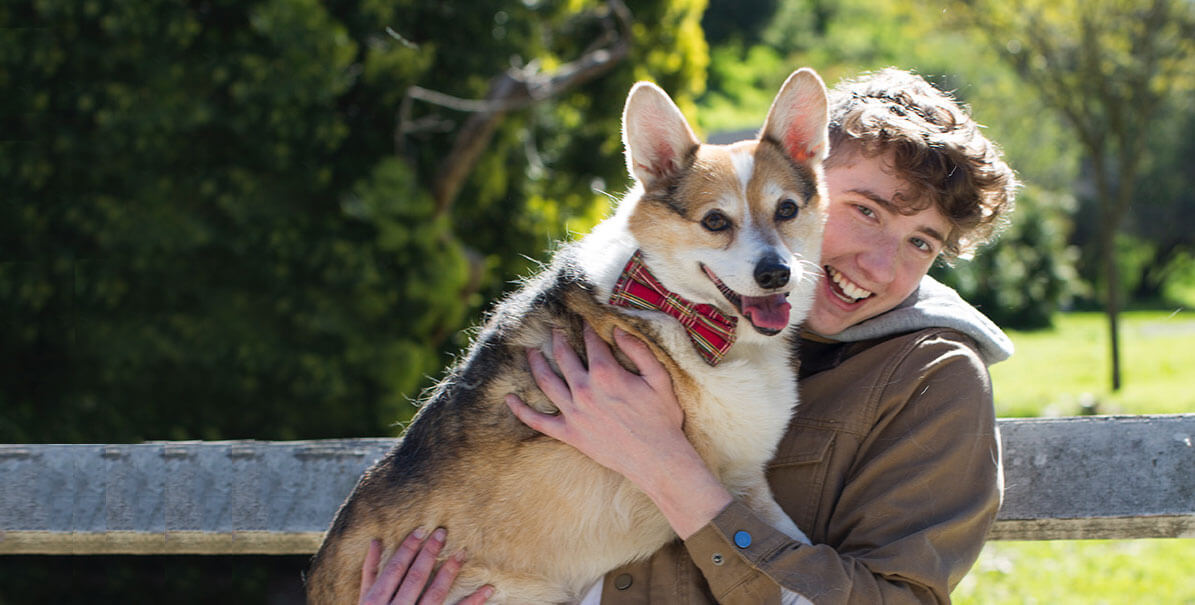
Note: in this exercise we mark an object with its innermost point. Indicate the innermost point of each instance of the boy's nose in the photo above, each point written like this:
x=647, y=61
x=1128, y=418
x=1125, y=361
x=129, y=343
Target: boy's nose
x=879, y=260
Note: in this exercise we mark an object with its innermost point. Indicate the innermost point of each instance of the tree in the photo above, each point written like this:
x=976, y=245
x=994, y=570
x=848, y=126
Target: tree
x=216, y=220
x=1107, y=67
x=221, y=220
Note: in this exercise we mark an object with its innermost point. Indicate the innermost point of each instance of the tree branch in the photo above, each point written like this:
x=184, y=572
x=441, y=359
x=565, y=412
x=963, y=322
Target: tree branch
x=511, y=91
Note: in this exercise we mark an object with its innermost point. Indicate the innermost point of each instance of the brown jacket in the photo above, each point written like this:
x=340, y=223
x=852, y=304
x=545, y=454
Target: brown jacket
x=891, y=467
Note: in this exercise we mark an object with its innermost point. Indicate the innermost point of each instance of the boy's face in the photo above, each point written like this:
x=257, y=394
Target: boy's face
x=873, y=255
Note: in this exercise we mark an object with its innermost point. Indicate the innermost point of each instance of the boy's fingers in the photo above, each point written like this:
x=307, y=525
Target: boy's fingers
x=552, y=385
x=437, y=591
x=645, y=361
x=482, y=594
x=598, y=351
x=369, y=571
x=571, y=368
x=544, y=423
x=396, y=566
x=421, y=569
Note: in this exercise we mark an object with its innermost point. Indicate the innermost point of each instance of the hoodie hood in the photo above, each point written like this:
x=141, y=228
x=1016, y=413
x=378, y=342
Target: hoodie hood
x=935, y=305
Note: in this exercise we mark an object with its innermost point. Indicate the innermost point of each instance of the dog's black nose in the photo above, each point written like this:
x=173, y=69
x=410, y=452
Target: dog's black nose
x=771, y=272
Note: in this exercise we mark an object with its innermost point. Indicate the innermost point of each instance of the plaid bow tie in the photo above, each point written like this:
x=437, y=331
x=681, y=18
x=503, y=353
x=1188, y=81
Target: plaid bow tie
x=711, y=332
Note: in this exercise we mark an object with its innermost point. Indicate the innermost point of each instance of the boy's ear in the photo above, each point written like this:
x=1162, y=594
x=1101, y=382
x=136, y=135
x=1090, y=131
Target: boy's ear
x=657, y=137
x=799, y=117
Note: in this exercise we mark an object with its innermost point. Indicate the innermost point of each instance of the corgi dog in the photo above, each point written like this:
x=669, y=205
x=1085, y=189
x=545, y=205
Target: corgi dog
x=724, y=241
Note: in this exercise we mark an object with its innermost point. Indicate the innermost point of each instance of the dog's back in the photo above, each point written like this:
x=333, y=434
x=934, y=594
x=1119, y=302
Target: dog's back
x=510, y=496
x=539, y=520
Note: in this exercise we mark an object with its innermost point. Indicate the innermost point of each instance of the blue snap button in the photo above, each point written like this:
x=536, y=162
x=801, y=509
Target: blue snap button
x=742, y=539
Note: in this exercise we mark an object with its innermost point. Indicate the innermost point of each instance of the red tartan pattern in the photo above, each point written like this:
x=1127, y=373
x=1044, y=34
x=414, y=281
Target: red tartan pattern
x=711, y=331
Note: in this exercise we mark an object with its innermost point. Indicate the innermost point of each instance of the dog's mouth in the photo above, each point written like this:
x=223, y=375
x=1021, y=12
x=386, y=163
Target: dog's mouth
x=767, y=314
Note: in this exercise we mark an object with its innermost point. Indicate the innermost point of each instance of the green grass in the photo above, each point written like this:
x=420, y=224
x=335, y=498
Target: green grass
x=1057, y=373
x=1088, y=572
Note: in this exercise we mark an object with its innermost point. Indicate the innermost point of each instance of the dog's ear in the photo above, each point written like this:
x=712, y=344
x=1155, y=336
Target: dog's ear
x=798, y=118
x=656, y=135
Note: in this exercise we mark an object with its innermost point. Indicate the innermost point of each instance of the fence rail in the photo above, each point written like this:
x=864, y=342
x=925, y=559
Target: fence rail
x=1065, y=478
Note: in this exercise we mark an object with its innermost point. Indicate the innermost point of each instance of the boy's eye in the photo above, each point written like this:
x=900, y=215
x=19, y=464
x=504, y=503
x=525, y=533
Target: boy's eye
x=922, y=245
x=786, y=210
x=864, y=210
x=715, y=221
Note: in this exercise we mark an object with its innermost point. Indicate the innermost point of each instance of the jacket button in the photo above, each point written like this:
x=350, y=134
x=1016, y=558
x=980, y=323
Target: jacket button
x=623, y=581
x=717, y=558
x=742, y=539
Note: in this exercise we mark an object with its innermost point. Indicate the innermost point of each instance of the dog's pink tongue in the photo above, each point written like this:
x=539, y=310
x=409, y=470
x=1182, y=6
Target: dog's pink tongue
x=767, y=312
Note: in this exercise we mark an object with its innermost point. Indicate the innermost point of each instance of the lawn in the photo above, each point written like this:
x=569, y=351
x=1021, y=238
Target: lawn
x=1086, y=572
x=1064, y=372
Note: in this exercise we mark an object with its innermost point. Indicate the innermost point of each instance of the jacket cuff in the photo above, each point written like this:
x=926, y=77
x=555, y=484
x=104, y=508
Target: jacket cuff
x=729, y=549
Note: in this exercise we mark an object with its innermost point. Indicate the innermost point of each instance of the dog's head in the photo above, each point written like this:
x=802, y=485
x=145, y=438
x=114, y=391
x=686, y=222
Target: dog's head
x=735, y=226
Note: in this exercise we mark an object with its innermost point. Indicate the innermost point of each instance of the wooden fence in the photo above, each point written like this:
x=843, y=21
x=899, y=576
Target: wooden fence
x=1065, y=478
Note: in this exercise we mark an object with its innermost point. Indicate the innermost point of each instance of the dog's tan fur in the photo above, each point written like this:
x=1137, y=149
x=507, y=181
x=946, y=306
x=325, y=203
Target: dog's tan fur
x=539, y=520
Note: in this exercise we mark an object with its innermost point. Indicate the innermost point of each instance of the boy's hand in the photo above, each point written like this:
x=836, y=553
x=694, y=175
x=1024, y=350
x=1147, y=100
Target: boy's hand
x=404, y=578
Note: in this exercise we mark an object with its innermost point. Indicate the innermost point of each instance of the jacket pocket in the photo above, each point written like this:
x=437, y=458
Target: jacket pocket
x=797, y=475
x=802, y=445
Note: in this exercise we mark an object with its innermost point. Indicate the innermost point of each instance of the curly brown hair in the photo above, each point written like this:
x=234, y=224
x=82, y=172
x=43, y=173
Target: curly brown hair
x=934, y=145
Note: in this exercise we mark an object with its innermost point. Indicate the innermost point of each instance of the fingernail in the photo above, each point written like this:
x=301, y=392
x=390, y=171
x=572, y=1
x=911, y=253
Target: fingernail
x=488, y=591
x=420, y=532
x=460, y=556
x=440, y=534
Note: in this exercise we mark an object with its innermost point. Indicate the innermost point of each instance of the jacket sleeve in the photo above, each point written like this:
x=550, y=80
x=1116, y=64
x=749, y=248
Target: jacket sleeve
x=914, y=510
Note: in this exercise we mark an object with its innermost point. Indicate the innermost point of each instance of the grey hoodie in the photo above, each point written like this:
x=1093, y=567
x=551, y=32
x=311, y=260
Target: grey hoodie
x=934, y=305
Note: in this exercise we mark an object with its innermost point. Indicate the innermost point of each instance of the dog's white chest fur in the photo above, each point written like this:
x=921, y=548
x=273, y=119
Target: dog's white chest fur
x=745, y=401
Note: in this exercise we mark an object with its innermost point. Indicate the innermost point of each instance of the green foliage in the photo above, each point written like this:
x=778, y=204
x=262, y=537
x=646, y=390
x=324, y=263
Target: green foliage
x=1021, y=279
x=544, y=164
x=1178, y=277
x=206, y=231
x=173, y=256
x=742, y=83
x=1164, y=206
x=740, y=20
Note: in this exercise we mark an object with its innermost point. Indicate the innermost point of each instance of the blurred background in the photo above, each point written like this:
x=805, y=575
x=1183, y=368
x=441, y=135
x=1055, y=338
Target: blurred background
x=280, y=219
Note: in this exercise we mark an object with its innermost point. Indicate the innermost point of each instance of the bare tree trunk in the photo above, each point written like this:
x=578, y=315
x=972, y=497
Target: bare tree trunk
x=1112, y=300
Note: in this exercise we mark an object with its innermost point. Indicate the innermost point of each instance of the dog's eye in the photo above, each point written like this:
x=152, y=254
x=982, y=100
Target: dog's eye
x=786, y=210
x=715, y=221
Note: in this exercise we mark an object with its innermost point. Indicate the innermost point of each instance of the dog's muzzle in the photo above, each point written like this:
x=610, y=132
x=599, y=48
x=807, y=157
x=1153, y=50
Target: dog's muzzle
x=771, y=272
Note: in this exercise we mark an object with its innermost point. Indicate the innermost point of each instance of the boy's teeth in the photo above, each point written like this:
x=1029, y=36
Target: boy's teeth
x=847, y=287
